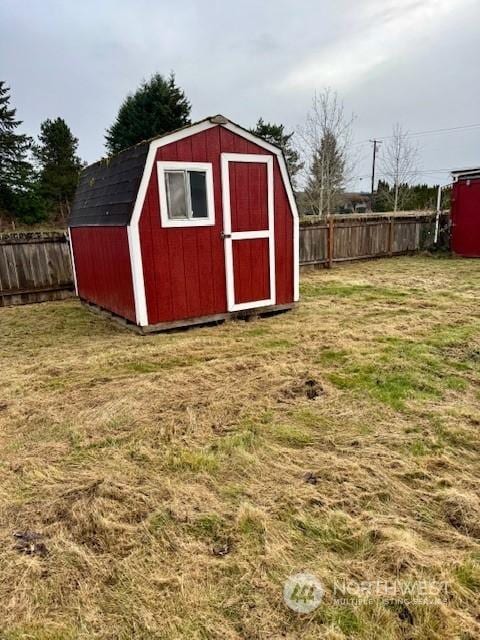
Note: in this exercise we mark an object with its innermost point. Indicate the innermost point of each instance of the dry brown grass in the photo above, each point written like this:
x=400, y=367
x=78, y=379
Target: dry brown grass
x=178, y=479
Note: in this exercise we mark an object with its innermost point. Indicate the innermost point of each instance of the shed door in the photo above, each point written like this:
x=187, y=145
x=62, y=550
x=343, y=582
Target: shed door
x=466, y=218
x=248, y=221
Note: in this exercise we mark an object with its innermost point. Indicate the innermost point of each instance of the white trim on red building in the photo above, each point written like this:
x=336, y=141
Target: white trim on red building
x=133, y=227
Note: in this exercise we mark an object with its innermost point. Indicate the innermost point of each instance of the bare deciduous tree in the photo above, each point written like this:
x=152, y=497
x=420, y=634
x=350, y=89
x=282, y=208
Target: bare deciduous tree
x=398, y=163
x=326, y=137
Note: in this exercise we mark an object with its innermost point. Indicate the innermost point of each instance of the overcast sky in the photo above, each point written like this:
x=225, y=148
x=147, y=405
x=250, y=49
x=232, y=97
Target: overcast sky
x=410, y=61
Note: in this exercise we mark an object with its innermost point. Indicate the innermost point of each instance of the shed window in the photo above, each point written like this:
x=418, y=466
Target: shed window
x=186, y=194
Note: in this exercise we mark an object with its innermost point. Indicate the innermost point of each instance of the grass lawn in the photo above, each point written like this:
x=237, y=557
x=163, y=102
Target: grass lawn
x=179, y=479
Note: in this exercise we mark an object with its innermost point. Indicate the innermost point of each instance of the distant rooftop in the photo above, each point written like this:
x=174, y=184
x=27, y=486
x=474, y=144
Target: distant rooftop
x=469, y=172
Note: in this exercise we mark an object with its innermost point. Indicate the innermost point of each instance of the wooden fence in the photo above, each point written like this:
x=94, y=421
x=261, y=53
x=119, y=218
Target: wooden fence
x=34, y=267
x=352, y=237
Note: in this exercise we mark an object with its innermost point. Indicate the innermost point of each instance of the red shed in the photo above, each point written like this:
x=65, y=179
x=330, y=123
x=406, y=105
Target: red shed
x=465, y=211
x=192, y=226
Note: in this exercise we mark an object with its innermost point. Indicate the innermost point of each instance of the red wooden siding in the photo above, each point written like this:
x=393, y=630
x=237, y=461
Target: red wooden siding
x=251, y=271
x=184, y=268
x=283, y=239
x=466, y=218
x=102, y=265
x=248, y=196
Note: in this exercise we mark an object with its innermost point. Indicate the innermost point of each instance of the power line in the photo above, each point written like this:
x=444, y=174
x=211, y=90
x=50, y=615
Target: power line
x=464, y=127
x=411, y=173
x=446, y=130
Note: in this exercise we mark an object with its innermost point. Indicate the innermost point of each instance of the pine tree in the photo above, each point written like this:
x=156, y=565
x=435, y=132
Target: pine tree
x=15, y=170
x=158, y=106
x=275, y=134
x=327, y=176
x=382, y=197
x=58, y=163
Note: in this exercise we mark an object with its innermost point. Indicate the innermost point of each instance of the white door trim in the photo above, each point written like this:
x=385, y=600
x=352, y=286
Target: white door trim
x=235, y=128
x=230, y=236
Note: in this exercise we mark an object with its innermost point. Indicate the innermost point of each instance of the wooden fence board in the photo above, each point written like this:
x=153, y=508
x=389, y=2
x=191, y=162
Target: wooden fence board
x=36, y=266
x=367, y=236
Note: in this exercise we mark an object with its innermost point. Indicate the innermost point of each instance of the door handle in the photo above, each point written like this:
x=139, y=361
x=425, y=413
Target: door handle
x=225, y=235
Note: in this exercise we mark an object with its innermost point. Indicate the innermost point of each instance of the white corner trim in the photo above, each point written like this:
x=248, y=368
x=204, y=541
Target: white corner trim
x=72, y=258
x=162, y=167
x=290, y=195
x=133, y=234
x=235, y=236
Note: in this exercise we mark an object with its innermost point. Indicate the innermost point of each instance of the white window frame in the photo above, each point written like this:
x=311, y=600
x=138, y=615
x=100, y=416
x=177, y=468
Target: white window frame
x=162, y=168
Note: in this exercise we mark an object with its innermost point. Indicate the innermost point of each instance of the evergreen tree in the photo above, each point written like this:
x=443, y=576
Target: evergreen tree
x=158, y=106
x=327, y=176
x=28, y=205
x=382, y=197
x=15, y=170
x=419, y=197
x=275, y=134
x=58, y=163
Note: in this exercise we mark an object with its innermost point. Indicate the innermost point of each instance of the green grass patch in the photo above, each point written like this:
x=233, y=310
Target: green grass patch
x=369, y=292
x=418, y=449
x=332, y=356
x=291, y=436
x=425, y=447
x=335, y=532
x=310, y=419
x=404, y=370
x=160, y=521
x=389, y=387
x=194, y=460
x=210, y=527
x=468, y=575
x=232, y=491
x=108, y=441
x=251, y=526
x=246, y=440
x=343, y=618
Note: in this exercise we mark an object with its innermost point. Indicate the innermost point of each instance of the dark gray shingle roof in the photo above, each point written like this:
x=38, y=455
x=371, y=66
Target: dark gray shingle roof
x=107, y=190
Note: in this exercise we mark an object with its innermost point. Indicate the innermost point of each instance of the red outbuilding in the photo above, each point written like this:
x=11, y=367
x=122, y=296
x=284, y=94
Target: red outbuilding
x=192, y=226
x=465, y=213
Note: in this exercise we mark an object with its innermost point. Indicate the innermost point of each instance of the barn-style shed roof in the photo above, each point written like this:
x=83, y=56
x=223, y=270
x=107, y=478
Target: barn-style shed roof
x=108, y=189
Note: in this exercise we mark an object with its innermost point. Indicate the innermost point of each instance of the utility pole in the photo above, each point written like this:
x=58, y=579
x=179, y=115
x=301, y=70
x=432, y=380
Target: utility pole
x=376, y=144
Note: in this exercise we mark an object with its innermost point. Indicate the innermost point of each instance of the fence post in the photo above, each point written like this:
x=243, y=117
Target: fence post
x=331, y=244
x=390, y=236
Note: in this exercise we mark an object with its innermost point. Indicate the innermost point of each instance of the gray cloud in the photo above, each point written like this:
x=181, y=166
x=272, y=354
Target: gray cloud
x=391, y=60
